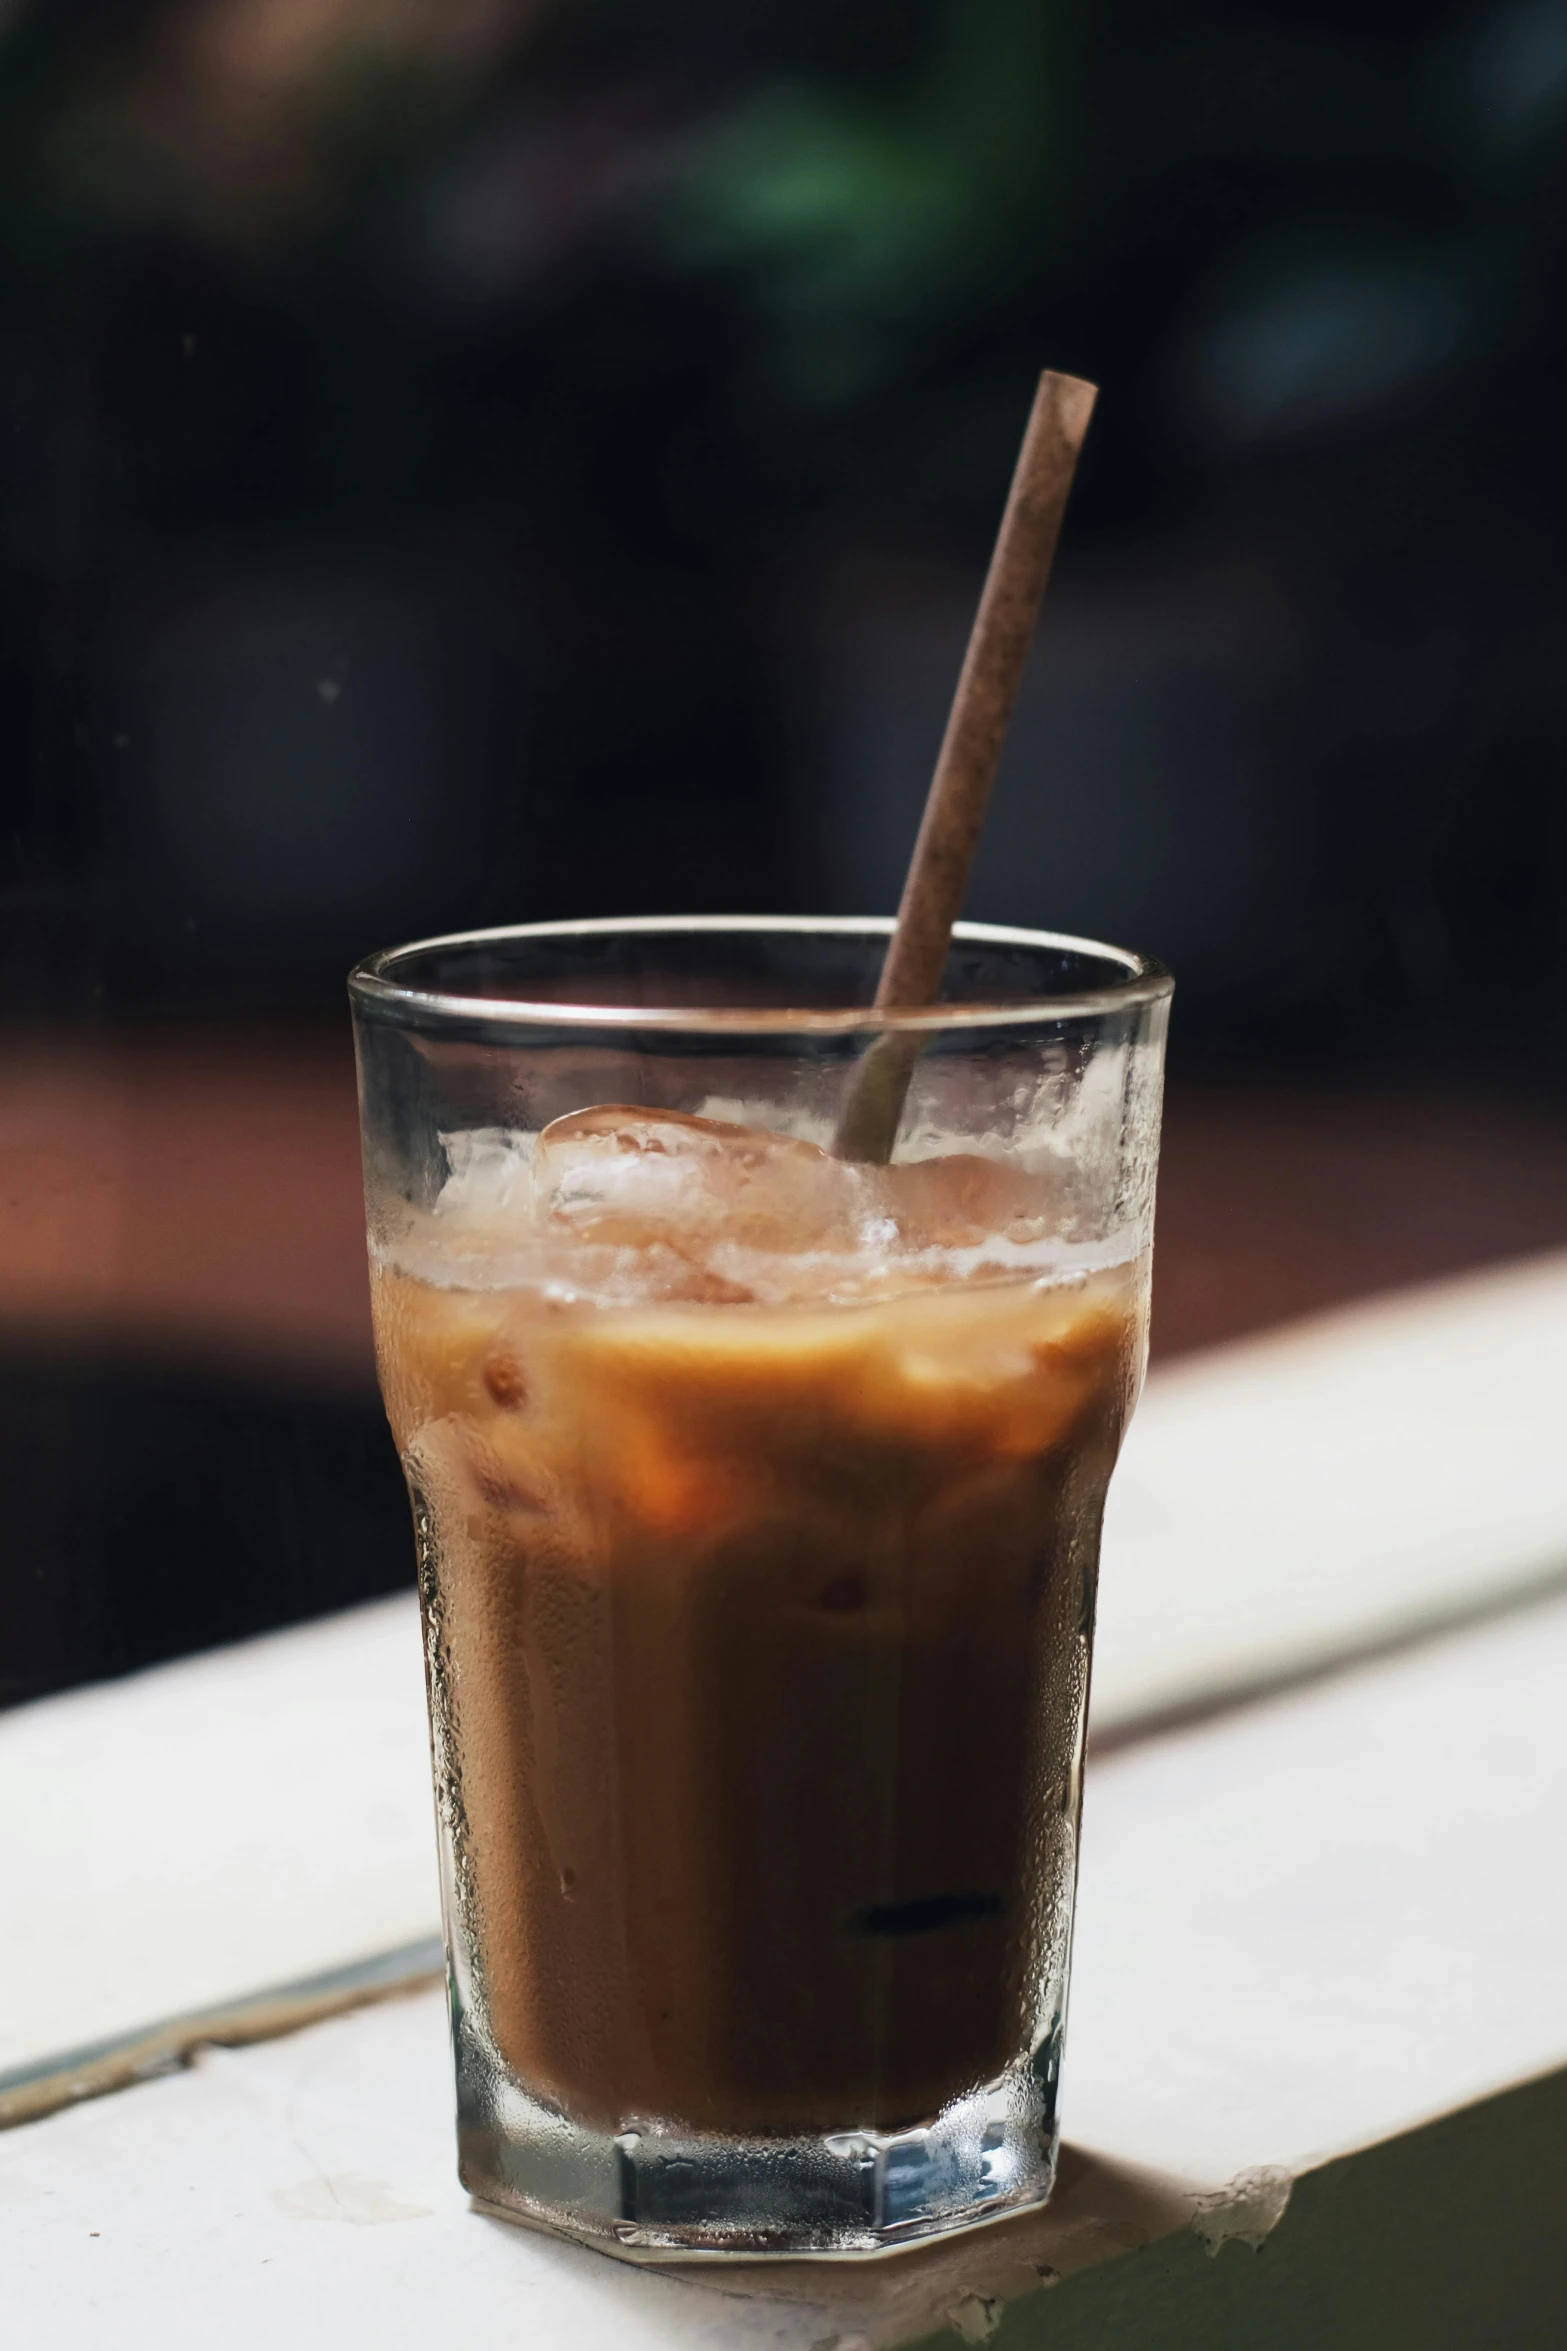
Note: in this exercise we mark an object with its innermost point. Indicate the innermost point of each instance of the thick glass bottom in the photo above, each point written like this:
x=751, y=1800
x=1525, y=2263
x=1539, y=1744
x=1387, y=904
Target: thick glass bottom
x=652, y=2192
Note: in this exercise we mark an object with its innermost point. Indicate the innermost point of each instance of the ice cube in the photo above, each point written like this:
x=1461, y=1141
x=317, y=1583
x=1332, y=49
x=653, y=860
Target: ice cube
x=487, y=1170
x=960, y=1199
x=661, y=1178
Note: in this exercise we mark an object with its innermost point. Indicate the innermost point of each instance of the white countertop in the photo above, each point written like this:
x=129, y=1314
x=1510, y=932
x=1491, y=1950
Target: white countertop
x=1307, y=1922
x=1302, y=1927
x=184, y=1842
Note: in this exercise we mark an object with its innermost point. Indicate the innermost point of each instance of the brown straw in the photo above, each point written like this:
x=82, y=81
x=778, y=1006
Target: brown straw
x=970, y=754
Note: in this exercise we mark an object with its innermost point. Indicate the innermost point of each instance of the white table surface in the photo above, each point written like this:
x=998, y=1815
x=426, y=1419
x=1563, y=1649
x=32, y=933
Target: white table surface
x=1303, y=1927
x=190, y=1838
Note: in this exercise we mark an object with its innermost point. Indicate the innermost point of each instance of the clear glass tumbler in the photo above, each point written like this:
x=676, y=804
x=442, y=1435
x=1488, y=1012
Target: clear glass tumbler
x=757, y=1494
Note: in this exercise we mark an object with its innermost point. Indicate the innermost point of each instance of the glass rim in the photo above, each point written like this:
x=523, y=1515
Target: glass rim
x=372, y=983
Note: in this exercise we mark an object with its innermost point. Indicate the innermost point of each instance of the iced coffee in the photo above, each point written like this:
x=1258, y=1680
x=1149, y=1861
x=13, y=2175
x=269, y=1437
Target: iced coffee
x=758, y=1499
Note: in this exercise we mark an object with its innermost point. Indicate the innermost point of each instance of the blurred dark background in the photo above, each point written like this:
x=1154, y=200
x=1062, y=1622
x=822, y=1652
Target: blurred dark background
x=478, y=460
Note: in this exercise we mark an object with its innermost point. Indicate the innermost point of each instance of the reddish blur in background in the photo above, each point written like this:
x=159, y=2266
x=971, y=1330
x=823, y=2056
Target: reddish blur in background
x=479, y=460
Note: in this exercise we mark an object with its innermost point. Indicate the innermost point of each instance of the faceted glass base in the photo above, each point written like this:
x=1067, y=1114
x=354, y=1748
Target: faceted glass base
x=654, y=2192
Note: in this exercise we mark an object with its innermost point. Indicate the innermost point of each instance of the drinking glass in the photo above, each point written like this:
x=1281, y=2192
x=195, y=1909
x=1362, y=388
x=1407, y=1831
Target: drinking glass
x=757, y=1495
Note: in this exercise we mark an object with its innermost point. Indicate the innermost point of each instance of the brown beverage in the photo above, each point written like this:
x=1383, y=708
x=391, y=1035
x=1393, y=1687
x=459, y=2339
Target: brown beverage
x=759, y=1503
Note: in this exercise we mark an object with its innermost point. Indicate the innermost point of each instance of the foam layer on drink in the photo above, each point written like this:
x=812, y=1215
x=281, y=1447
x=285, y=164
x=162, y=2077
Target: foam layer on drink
x=759, y=1502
